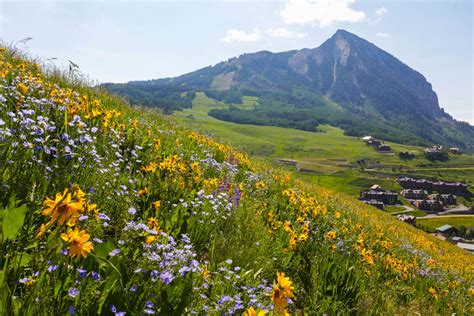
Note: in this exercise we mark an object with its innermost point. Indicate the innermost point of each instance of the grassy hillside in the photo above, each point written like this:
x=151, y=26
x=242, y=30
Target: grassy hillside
x=109, y=209
x=330, y=155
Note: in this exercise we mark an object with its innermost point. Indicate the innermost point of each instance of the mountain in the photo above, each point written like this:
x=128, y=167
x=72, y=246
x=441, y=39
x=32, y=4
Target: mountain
x=347, y=82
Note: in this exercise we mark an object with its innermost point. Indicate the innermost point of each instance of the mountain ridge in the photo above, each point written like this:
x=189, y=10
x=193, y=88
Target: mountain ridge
x=379, y=94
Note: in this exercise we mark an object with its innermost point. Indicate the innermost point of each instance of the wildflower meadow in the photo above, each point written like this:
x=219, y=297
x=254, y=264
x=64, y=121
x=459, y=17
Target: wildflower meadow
x=116, y=210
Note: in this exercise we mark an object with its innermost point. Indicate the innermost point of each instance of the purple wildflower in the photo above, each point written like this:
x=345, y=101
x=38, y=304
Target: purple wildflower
x=166, y=277
x=73, y=292
x=82, y=272
x=114, y=252
x=95, y=275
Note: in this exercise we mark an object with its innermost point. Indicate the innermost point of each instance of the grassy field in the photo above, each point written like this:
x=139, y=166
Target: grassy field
x=336, y=161
x=430, y=224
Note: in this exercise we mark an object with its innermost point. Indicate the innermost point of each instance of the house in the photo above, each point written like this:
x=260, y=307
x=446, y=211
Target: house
x=446, y=199
x=377, y=187
x=367, y=138
x=379, y=194
x=445, y=229
x=466, y=246
x=454, y=150
x=405, y=155
x=384, y=147
x=374, y=203
x=409, y=219
x=428, y=205
x=434, y=206
x=374, y=142
x=414, y=194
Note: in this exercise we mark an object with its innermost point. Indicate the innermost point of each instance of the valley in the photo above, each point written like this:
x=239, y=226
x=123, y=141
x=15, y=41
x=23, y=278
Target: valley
x=329, y=158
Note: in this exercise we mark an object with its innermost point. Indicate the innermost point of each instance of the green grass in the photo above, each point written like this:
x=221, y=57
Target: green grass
x=430, y=224
x=330, y=154
x=394, y=209
x=416, y=213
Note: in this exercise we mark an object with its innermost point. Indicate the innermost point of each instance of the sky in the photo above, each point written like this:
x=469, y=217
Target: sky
x=120, y=41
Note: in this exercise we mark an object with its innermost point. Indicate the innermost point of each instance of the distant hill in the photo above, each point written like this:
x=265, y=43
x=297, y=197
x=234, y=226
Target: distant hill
x=347, y=82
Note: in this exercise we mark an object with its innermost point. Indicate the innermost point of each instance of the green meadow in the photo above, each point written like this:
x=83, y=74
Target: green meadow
x=430, y=224
x=329, y=158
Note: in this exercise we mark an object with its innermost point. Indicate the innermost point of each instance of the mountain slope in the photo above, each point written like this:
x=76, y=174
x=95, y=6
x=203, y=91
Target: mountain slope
x=379, y=94
x=108, y=209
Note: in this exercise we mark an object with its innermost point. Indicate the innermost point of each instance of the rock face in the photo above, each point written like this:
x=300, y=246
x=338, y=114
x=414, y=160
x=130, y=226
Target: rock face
x=352, y=71
x=345, y=68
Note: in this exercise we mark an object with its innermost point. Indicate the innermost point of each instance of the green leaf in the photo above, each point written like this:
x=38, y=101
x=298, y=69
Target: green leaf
x=12, y=218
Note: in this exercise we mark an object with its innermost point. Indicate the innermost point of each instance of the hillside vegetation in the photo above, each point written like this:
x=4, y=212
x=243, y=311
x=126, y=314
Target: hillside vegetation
x=109, y=209
x=331, y=158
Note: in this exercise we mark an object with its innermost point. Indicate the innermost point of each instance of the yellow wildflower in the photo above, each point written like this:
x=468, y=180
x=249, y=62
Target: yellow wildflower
x=150, y=168
x=331, y=235
x=23, y=87
x=433, y=292
x=282, y=291
x=63, y=208
x=260, y=185
x=153, y=222
x=252, y=312
x=79, y=243
x=150, y=239
x=41, y=232
x=157, y=143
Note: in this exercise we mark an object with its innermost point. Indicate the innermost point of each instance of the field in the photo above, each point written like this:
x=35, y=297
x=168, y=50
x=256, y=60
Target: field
x=430, y=224
x=110, y=209
x=332, y=159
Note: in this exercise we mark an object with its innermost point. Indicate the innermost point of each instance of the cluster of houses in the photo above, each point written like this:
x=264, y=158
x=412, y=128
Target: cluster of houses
x=435, y=202
x=437, y=149
x=378, y=197
x=458, y=188
x=416, y=191
x=376, y=143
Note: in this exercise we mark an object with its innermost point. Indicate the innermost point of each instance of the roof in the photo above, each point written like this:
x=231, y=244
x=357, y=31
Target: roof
x=367, y=138
x=466, y=246
x=375, y=186
x=443, y=228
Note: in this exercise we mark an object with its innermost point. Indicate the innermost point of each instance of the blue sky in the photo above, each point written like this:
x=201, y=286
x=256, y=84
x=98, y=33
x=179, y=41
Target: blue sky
x=118, y=41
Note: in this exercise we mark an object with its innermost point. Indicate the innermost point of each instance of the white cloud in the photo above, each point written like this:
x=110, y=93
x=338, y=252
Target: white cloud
x=381, y=11
x=284, y=33
x=320, y=12
x=234, y=35
x=381, y=34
